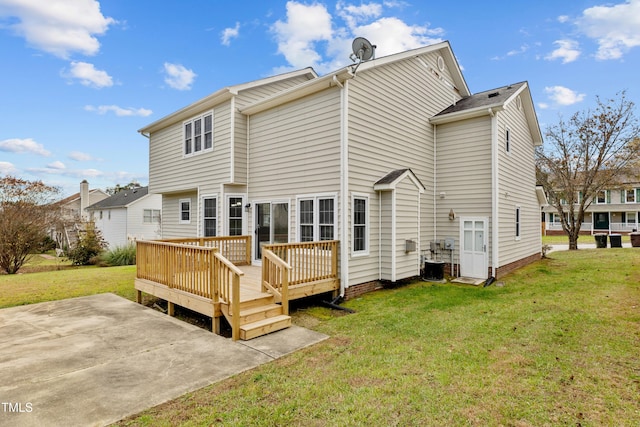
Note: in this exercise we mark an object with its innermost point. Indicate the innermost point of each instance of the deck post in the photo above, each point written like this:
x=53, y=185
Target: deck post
x=171, y=309
x=139, y=297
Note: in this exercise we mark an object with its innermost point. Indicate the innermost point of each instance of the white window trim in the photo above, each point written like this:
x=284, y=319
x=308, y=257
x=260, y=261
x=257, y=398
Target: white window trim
x=316, y=214
x=227, y=205
x=598, y=202
x=202, y=150
x=202, y=217
x=367, y=234
x=518, y=223
x=633, y=191
x=180, y=220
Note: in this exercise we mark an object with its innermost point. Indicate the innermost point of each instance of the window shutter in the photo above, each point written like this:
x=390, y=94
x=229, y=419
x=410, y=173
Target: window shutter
x=637, y=195
x=623, y=196
x=608, y=196
x=551, y=217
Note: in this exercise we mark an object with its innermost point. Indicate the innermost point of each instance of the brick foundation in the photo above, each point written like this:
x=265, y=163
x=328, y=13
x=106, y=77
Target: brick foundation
x=355, y=291
x=508, y=268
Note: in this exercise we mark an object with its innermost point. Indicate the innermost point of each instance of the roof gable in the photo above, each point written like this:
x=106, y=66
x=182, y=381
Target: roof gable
x=220, y=96
x=338, y=77
x=391, y=180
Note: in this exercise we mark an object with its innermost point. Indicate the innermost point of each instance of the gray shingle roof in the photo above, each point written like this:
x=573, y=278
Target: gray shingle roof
x=121, y=199
x=486, y=99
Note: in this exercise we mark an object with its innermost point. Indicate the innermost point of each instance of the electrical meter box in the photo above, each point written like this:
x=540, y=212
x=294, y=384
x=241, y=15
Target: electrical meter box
x=449, y=243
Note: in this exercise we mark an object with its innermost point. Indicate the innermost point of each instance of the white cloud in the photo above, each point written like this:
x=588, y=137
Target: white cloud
x=563, y=96
x=178, y=77
x=297, y=36
x=89, y=75
x=26, y=145
x=563, y=18
x=7, y=168
x=119, y=111
x=57, y=165
x=311, y=36
x=616, y=28
x=79, y=156
x=230, y=33
x=59, y=27
x=567, y=50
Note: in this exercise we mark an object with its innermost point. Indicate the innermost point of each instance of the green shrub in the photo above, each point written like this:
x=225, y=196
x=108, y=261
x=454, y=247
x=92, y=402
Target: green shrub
x=121, y=255
x=90, y=244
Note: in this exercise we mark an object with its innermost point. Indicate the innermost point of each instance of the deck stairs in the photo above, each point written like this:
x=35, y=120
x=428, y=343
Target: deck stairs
x=259, y=315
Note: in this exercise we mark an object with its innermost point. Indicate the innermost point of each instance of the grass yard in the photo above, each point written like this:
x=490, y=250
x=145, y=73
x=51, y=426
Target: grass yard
x=557, y=344
x=20, y=289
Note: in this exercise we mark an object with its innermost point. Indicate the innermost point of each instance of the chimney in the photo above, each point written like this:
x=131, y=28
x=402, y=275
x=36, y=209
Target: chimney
x=84, y=198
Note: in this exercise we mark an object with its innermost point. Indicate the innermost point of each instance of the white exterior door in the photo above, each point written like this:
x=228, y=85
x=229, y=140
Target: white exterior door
x=473, y=247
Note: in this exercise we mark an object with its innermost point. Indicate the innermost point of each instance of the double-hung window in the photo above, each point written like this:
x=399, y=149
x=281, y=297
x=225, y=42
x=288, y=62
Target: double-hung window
x=630, y=195
x=198, y=134
x=316, y=218
x=360, y=224
x=210, y=216
x=235, y=216
x=185, y=211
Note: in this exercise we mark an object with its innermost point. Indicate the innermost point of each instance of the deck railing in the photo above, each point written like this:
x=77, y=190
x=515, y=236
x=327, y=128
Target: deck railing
x=275, y=278
x=309, y=261
x=236, y=249
x=177, y=266
x=227, y=281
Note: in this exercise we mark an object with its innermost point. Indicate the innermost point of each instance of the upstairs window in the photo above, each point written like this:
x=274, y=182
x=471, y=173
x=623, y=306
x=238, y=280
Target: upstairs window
x=198, y=134
x=603, y=197
x=630, y=196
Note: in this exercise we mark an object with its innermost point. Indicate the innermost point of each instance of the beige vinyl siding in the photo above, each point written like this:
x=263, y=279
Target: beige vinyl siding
x=407, y=221
x=294, y=150
x=517, y=181
x=171, y=226
x=386, y=237
x=170, y=170
x=463, y=175
x=389, y=108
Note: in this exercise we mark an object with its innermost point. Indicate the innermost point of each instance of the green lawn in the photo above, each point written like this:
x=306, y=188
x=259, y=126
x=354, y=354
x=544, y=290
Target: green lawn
x=20, y=289
x=555, y=343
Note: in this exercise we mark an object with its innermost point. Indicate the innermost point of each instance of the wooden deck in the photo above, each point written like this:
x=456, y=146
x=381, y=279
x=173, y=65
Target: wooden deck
x=196, y=274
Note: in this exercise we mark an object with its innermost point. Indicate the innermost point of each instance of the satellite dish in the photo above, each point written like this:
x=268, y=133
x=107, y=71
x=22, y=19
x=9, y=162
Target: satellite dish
x=363, y=50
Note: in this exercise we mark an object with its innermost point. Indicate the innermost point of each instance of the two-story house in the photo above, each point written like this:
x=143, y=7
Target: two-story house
x=391, y=160
x=614, y=210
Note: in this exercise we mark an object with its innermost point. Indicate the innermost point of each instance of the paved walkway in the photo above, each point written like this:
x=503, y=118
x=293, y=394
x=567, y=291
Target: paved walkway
x=94, y=360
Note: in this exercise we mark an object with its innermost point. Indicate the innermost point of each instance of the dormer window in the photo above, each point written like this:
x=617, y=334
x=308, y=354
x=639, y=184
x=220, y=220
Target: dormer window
x=198, y=134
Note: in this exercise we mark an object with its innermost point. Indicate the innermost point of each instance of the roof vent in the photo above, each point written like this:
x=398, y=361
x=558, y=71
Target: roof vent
x=494, y=94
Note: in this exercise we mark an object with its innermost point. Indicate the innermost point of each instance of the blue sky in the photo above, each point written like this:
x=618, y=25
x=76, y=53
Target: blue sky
x=80, y=77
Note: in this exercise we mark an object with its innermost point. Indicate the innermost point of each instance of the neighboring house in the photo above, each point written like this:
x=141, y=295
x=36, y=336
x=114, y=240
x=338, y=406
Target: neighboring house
x=72, y=211
x=614, y=210
x=386, y=160
x=127, y=216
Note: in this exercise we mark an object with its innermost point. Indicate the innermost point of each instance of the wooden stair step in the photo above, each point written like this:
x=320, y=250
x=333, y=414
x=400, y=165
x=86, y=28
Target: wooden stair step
x=258, y=300
x=264, y=326
x=254, y=314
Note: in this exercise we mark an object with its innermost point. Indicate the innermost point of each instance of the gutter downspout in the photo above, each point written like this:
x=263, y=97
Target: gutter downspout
x=344, y=186
x=435, y=185
x=495, y=188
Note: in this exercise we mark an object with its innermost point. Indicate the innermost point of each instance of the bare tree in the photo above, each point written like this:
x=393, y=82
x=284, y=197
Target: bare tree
x=25, y=212
x=586, y=154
